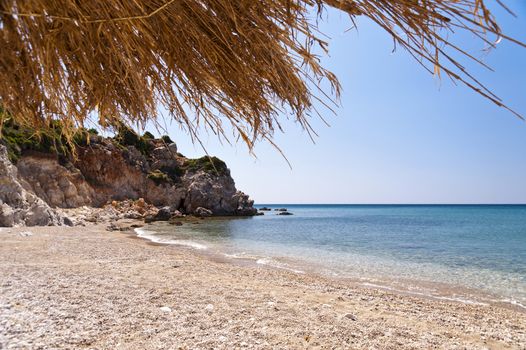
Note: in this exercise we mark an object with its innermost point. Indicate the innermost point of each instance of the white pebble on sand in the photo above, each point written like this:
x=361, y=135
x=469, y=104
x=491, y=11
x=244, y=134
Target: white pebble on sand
x=165, y=309
x=209, y=308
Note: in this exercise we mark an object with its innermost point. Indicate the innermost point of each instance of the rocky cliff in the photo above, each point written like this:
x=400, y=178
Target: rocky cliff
x=102, y=170
x=19, y=206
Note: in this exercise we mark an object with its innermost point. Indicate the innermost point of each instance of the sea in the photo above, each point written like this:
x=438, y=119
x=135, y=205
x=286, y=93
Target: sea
x=468, y=253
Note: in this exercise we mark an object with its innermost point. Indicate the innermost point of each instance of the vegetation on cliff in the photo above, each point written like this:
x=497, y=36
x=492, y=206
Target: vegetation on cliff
x=51, y=141
x=158, y=176
x=206, y=164
x=125, y=136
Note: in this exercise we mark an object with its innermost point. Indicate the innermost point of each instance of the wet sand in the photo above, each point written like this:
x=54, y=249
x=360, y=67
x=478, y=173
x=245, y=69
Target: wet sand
x=85, y=287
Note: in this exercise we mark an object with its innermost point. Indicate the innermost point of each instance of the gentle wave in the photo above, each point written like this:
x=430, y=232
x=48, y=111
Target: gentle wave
x=278, y=265
x=429, y=295
x=512, y=302
x=150, y=235
x=463, y=253
x=259, y=260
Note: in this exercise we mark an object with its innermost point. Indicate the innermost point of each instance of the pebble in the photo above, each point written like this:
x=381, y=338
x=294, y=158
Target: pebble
x=165, y=309
x=351, y=317
x=36, y=303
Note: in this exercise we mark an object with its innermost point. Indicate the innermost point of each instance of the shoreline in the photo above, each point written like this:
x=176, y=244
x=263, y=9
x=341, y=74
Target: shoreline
x=432, y=290
x=85, y=287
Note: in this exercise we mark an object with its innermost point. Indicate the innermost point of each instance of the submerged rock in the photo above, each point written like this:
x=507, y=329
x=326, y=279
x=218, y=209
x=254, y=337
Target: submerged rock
x=149, y=219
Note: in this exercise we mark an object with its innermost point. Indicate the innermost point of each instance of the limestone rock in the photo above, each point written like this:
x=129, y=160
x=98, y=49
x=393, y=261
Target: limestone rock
x=164, y=214
x=54, y=183
x=203, y=212
x=17, y=205
x=244, y=205
x=118, y=175
x=105, y=171
x=217, y=193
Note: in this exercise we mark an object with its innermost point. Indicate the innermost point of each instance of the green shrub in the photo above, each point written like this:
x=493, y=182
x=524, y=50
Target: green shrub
x=127, y=137
x=158, y=177
x=211, y=165
x=46, y=140
x=173, y=173
x=81, y=137
x=19, y=139
x=166, y=139
x=148, y=135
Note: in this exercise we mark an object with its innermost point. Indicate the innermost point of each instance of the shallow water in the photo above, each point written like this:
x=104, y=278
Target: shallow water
x=458, y=252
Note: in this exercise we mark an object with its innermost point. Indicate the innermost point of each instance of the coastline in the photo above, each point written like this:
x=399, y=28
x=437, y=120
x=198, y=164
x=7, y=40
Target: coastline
x=415, y=285
x=86, y=287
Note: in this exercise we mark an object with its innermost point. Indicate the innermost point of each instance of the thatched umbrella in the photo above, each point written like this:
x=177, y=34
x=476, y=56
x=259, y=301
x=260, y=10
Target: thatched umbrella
x=208, y=62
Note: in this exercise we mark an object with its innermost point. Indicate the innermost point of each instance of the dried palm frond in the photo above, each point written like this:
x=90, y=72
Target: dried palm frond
x=208, y=62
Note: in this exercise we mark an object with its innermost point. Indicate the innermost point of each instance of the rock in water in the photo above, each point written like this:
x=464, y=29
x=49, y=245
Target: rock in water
x=163, y=214
x=217, y=193
x=17, y=205
x=203, y=212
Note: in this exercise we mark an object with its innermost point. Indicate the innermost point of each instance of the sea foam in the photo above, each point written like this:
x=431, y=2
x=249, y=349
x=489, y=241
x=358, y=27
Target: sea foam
x=151, y=236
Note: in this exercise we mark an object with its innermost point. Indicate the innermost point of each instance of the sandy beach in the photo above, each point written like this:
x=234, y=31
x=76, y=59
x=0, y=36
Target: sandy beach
x=85, y=287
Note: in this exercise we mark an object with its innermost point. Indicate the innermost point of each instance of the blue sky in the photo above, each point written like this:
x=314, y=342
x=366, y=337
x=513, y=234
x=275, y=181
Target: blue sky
x=400, y=135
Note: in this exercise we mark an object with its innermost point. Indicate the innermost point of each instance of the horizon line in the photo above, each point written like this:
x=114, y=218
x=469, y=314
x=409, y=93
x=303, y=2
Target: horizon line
x=408, y=204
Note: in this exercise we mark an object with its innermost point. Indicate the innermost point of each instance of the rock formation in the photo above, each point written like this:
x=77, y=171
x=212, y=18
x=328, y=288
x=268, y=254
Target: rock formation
x=19, y=206
x=112, y=169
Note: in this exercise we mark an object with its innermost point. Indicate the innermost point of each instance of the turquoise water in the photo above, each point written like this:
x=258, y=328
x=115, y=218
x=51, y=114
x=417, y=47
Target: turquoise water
x=442, y=250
